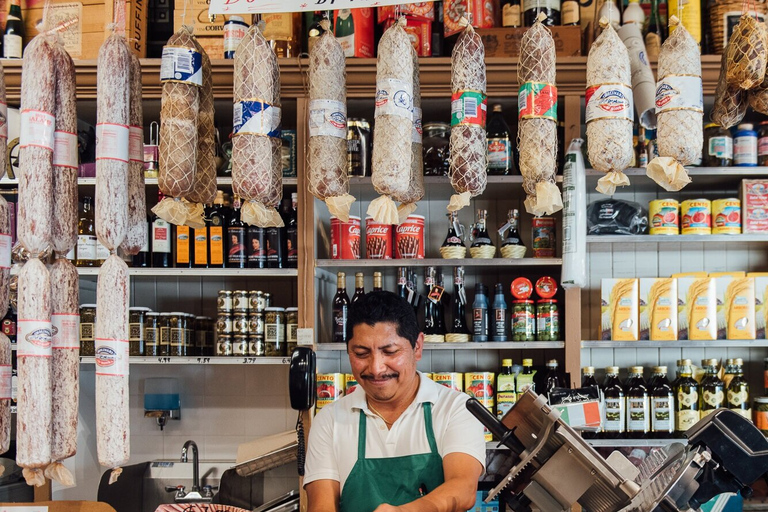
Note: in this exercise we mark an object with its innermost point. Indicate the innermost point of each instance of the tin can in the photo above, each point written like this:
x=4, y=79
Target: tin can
x=543, y=233
x=345, y=239
x=358, y=147
x=240, y=301
x=274, y=331
x=696, y=216
x=224, y=301
x=224, y=324
x=665, y=217
x=224, y=345
x=256, y=346
x=350, y=383
x=330, y=387
x=378, y=240
x=234, y=32
x=453, y=380
x=240, y=345
x=151, y=334
x=726, y=214
x=291, y=329
x=241, y=324
x=256, y=301
x=409, y=238
x=480, y=385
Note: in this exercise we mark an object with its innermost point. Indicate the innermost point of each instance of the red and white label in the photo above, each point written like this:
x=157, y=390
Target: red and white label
x=6, y=382
x=34, y=338
x=378, y=240
x=37, y=129
x=136, y=144
x=609, y=101
x=65, y=331
x=65, y=149
x=409, y=238
x=112, y=142
x=111, y=357
x=345, y=239
x=5, y=250
x=3, y=120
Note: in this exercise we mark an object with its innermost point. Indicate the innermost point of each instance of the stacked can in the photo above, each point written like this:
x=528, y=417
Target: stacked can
x=480, y=385
x=240, y=327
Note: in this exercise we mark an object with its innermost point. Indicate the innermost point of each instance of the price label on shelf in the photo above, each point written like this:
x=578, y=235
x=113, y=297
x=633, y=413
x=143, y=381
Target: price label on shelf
x=305, y=337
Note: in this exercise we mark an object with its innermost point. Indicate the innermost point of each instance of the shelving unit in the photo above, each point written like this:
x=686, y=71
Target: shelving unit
x=675, y=239
x=682, y=344
x=496, y=345
x=365, y=264
x=199, y=360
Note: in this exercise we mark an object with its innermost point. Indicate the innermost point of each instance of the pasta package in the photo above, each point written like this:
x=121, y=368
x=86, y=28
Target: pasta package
x=735, y=307
x=746, y=53
x=620, y=311
x=761, y=302
x=658, y=309
x=697, y=308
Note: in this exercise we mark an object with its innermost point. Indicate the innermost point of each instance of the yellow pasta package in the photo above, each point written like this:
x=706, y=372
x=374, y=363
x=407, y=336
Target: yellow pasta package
x=761, y=302
x=697, y=308
x=690, y=274
x=658, y=309
x=620, y=312
x=735, y=308
x=735, y=275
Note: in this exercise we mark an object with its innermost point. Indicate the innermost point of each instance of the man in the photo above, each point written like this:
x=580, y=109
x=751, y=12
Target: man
x=400, y=442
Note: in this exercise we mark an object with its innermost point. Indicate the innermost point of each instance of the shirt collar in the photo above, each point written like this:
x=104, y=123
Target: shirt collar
x=428, y=392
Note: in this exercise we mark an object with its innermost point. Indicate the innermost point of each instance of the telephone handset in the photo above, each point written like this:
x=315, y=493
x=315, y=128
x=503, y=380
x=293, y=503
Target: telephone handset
x=301, y=385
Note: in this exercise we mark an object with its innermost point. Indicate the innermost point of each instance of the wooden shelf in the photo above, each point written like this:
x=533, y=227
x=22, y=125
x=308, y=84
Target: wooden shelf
x=200, y=360
x=150, y=182
x=673, y=239
x=196, y=272
x=493, y=345
x=713, y=182
x=677, y=344
x=445, y=180
x=440, y=262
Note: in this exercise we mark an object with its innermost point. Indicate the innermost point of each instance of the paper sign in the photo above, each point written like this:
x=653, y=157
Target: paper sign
x=262, y=6
x=305, y=337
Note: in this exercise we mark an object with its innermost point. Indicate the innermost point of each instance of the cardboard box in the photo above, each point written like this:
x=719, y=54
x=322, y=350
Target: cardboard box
x=420, y=34
x=761, y=302
x=482, y=15
x=697, y=308
x=754, y=206
x=735, y=307
x=658, y=309
x=620, y=312
x=360, y=42
x=213, y=46
x=422, y=11
x=505, y=42
x=201, y=23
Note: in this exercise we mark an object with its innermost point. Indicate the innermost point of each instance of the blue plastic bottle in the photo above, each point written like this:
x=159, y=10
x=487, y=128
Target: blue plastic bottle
x=745, y=146
x=480, y=314
x=499, y=315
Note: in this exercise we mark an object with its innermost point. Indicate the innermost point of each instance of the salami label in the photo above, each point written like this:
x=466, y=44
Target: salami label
x=111, y=357
x=5, y=250
x=33, y=338
x=136, y=144
x=328, y=117
x=609, y=101
x=3, y=120
x=256, y=117
x=181, y=64
x=65, y=149
x=37, y=129
x=469, y=108
x=112, y=142
x=6, y=382
x=417, y=126
x=65, y=331
x=394, y=98
x=679, y=93
x=537, y=100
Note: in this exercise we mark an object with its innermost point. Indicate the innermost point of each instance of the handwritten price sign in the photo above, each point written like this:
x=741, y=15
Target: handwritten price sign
x=267, y=6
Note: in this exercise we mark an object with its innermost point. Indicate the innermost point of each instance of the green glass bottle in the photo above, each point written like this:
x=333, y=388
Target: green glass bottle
x=687, y=398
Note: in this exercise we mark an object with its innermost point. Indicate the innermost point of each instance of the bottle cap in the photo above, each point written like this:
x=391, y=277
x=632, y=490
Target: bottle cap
x=527, y=362
x=506, y=362
x=589, y=370
x=552, y=363
x=684, y=362
x=499, y=288
x=614, y=370
x=659, y=369
x=709, y=362
x=636, y=369
x=738, y=361
x=521, y=288
x=480, y=289
x=546, y=287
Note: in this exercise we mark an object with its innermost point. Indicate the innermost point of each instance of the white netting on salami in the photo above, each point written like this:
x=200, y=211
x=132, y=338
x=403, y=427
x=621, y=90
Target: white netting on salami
x=5, y=271
x=393, y=129
x=731, y=101
x=327, y=152
x=3, y=123
x=5, y=399
x=537, y=136
x=746, y=53
x=416, y=186
x=204, y=189
x=609, y=140
x=256, y=157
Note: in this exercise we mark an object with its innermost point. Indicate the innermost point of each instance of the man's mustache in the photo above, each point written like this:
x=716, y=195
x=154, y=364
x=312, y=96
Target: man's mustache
x=385, y=376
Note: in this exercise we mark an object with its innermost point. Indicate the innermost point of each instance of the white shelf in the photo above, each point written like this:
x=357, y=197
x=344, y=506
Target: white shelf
x=446, y=180
x=677, y=344
x=440, y=262
x=198, y=272
x=674, y=239
x=493, y=345
x=693, y=172
x=149, y=181
x=622, y=443
x=200, y=360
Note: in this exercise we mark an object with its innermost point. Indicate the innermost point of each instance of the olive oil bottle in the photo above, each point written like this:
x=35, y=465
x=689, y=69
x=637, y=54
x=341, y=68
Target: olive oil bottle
x=738, y=391
x=588, y=381
x=687, y=398
x=638, y=405
x=662, y=404
x=614, y=419
x=712, y=394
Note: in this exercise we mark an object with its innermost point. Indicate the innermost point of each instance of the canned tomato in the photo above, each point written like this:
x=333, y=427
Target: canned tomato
x=350, y=383
x=480, y=386
x=345, y=239
x=543, y=231
x=378, y=240
x=453, y=380
x=697, y=216
x=330, y=387
x=665, y=217
x=726, y=215
x=409, y=238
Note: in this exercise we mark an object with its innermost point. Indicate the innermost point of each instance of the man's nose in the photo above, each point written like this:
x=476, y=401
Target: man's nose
x=378, y=364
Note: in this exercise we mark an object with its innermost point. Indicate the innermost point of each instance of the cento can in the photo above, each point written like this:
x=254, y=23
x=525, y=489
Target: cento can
x=665, y=217
x=697, y=216
x=330, y=387
x=453, y=380
x=409, y=238
x=345, y=239
x=378, y=240
x=480, y=385
x=350, y=383
x=726, y=216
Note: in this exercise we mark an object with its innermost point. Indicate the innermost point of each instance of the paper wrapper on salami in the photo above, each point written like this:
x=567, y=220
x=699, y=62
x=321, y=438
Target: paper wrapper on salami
x=256, y=145
x=393, y=129
x=327, y=147
x=416, y=187
x=746, y=53
x=609, y=113
x=731, y=101
x=643, y=83
x=537, y=128
x=679, y=108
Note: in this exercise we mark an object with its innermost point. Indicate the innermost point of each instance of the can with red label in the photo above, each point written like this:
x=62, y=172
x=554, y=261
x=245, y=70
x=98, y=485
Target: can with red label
x=378, y=240
x=409, y=238
x=543, y=230
x=345, y=239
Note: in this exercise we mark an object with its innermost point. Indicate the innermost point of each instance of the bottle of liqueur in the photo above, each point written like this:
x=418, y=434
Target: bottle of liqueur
x=480, y=314
x=532, y=8
x=433, y=323
x=638, y=405
x=662, y=404
x=200, y=246
x=459, y=325
x=442, y=299
x=377, y=282
x=614, y=419
x=480, y=236
x=511, y=15
x=217, y=232
x=512, y=237
x=686, y=398
x=499, y=330
x=236, y=231
x=292, y=234
x=345, y=32
x=712, y=394
x=506, y=395
x=359, y=287
x=555, y=379
x=402, y=283
x=455, y=236
x=86, y=236
x=340, y=309
x=14, y=32
x=571, y=13
x=655, y=34
x=738, y=391
x=588, y=380
x=143, y=258
x=183, y=247
x=161, y=240
x=282, y=30
x=500, y=161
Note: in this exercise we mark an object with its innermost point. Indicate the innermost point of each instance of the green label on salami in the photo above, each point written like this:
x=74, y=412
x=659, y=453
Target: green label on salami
x=537, y=100
x=468, y=107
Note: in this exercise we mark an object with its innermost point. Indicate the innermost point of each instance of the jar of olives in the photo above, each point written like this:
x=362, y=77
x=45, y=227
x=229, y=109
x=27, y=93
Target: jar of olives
x=547, y=320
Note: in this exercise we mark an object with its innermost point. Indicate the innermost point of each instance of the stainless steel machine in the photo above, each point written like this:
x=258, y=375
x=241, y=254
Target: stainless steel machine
x=554, y=468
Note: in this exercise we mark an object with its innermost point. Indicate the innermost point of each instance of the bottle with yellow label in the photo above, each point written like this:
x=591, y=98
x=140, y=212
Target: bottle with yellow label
x=737, y=395
x=525, y=378
x=506, y=395
x=686, y=398
x=217, y=231
x=282, y=30
x=182, y=247
x=712, y=389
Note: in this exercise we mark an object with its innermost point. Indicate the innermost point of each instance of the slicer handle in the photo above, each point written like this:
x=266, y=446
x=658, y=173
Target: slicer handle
x=497, y=428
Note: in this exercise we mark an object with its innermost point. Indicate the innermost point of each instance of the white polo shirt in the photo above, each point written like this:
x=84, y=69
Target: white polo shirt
x=332, y=447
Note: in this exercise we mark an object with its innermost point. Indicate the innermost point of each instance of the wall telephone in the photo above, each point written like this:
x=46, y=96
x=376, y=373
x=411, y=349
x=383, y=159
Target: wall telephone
x=301, y=384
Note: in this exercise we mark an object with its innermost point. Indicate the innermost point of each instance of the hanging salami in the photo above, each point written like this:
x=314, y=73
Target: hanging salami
x=416, y=187
x=731, y=101
x=3, y=123
x=747, y=53
x=5, y=343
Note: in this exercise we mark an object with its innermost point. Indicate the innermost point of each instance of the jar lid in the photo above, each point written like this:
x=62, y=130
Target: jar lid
x=225, y=292
x=152, y=313
x=527, y=362
x=711, y=125
x=546, y=287
x=745, y=127
x=521, y=288
x=177, y=313
x=166, y=314
x=94, y=305
x=255, y=292
x=201, y=318
x=506, y=362
x=139, y=308
x=522, y=301
x=291, y=310
x=275, y=309
x=547, y=301
x=245, y=292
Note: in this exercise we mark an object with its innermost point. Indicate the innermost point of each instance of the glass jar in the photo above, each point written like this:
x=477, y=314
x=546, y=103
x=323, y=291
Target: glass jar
x=760, y=414
x=224, y=301
x=136, y=338
x=224, y=324
x=151, y=334
x=291, y=329
x=224, y=345
x=547, y=321
x=176, y=338
x=256, y=301
x=718, y=146
x=87, y=329
x=274, y=332
x=189, y=335
x=523, y=320
x=164, y=328
x=240, y=324
x=201, y=333
x=240, y=345
x=240, y=301
x=762, y=143
x=435, y=147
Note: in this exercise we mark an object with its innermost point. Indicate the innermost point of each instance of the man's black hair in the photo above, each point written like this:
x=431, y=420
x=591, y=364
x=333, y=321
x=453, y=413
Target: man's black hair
x=384, y=307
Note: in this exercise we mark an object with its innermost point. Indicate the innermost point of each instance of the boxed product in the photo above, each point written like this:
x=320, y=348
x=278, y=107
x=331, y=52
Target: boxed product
x=735, y=307
x=453, y=10
x=420, y=34
x=354, y=31
x=505, y=42
x=421, y=10
x=754, y=206
x=658, y=309
x=213, y=46
x=201, y=23
x=697, y=308
x=620, y=312
x=761, y=301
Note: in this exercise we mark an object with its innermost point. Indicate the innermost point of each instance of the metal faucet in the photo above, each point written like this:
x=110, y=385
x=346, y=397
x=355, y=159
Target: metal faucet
x=196, y=495
x=195, y=463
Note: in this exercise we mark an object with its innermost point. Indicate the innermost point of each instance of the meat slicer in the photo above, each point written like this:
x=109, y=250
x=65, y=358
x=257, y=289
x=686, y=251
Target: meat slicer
x=553, y=468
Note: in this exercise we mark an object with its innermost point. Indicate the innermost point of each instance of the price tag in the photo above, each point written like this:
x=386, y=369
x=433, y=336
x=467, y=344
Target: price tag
x=305, y=337
x=203, y=360
x=163, y=360
x=250, y=360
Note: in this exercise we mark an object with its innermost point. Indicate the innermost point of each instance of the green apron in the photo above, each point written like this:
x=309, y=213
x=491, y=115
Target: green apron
x=392, y=480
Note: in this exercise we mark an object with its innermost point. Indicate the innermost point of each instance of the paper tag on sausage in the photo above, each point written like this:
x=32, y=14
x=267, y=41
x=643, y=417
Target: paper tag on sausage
x=537, y=100
x=417, y=131
x=37, y=129
x=65, y=331
x=33, y=338
x=256, y=118
x=183, y=65
x=469, y=108
x=609, y=101
x=394, y=98
x=328, y=117
x=112, y=142
x=111, y=357
x=135, y=144
x=6, y=382
x=6, y=244
x=3, y=120
x=65, y=149
x=679, y=93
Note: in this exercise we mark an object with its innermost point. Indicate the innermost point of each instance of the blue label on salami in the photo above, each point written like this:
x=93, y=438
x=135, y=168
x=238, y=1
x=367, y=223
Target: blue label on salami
x=256, y=118
x=180, y=64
